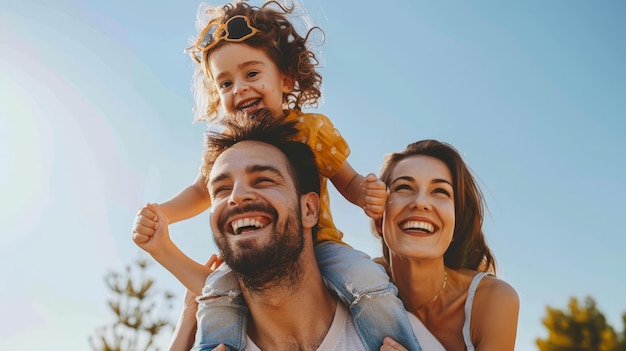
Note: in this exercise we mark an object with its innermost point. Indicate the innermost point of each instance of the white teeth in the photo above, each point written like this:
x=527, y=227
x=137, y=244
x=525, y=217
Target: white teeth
x=248, y=104
x=245, y=222
x=419, y=225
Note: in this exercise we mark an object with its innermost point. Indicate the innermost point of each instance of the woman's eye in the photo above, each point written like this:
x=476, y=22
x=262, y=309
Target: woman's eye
x=441, y=191
x=401, y=187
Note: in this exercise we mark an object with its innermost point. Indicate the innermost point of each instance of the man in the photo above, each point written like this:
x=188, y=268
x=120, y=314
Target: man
x=264, y=212
x=265, y=198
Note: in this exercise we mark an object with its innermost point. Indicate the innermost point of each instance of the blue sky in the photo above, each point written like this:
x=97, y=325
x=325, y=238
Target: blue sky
x=95, y=120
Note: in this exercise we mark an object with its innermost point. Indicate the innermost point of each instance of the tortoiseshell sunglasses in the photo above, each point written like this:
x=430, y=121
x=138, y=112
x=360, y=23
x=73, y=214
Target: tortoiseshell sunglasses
x=236, y=30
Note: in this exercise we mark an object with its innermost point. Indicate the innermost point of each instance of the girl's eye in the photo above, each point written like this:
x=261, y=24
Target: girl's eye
x=225, y=85
x=253, y=74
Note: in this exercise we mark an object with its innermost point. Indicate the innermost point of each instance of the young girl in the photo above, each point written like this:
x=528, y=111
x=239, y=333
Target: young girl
x=251, y=58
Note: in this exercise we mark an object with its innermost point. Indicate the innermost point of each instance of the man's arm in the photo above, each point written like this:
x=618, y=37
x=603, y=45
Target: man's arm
x=184, y=334
x=185, y=331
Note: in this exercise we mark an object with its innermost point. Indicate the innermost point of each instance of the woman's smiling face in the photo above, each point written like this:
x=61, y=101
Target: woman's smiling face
x=419, y=216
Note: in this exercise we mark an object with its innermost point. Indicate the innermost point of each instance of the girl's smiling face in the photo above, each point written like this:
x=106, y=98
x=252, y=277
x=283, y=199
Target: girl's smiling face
x=247, y=79
x=419, y=216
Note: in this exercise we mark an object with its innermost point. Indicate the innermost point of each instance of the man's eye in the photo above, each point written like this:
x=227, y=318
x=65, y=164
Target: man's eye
x=262, y=181
x=220, y=191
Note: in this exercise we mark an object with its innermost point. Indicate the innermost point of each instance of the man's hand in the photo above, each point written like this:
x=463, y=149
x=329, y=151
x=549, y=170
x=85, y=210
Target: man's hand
x=391, y=345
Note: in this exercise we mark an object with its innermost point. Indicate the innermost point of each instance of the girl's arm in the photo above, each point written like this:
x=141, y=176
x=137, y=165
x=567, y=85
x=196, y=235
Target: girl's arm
x=369, y=192
x=155, y=239
x=494, y=316
x=191, y=201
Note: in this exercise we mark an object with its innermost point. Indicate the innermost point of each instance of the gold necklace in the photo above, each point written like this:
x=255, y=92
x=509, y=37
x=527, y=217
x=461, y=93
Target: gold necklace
x=445, y=282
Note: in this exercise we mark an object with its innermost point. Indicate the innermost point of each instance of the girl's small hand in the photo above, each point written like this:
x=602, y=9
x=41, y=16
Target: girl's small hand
x=391, y=345
x=151, y=231
x=375, y=196
x=144, y=226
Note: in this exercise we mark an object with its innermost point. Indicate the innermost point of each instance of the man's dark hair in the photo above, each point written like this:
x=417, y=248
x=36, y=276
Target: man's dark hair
x=263, y=127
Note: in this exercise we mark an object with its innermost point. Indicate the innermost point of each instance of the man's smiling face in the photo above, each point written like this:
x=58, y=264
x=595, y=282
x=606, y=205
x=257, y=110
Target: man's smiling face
x=255, y=212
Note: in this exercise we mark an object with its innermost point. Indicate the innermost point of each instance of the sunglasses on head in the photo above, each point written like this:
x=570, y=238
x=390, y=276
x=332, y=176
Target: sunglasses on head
x=235, y=30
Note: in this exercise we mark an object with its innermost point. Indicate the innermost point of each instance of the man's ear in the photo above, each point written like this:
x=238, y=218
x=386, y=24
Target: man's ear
x=310, y=204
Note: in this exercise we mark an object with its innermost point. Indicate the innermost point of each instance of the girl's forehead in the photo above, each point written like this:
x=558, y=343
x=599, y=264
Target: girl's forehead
x=238, y=56
x=234, y=51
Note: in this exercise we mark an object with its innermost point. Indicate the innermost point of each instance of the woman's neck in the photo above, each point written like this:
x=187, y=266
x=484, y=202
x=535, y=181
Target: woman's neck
x=419, y=283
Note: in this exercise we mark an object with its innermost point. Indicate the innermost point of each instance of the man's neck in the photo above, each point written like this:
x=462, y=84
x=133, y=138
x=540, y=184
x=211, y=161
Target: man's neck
x=291, y=318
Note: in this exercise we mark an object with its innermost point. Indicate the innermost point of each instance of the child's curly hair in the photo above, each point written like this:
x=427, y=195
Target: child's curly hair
x=278, y=38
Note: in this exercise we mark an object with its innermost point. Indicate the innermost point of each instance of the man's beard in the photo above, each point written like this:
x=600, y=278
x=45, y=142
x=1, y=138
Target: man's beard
x=274, y=264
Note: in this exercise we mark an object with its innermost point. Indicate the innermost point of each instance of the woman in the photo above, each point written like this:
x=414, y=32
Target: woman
x=436, y=252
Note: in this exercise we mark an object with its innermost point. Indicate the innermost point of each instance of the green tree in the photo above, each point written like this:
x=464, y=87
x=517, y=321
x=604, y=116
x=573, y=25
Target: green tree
x=582, y=328
x=141, y=312
x=621, y=346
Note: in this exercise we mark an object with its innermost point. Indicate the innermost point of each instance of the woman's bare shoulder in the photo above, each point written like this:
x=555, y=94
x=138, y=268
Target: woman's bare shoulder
x=491, y=288
x=494, y=314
